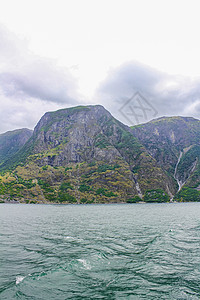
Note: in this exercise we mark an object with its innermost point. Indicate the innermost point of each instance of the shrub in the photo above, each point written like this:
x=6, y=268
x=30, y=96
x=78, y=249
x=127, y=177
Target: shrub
x=134, y=199
x=83, y=200
x=105, y=192
x=65, y=197
x=32, y=202
x=187, y=194
x=157, y=195
x=105, y=167
x=68, y=168
x=100, y=191
x=44, y=168
x=84, y=188
x=65, y=186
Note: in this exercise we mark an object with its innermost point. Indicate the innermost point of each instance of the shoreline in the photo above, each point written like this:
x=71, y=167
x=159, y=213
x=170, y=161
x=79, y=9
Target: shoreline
x=81, y=204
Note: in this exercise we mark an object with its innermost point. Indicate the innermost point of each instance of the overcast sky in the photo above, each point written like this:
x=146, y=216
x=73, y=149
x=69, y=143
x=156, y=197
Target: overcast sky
x=61, y=53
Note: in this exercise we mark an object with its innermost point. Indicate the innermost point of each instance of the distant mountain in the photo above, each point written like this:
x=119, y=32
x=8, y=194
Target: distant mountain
x=12, y=141
x=83, y=155
x=175, y=144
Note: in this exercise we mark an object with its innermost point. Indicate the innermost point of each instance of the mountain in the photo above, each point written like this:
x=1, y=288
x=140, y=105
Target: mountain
x=174, y=142
x=12, y=141
x=83, y=155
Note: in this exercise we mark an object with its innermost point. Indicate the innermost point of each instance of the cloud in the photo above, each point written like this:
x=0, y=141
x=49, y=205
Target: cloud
x=30, y=83
x=22, y=113
x=27, y=75
x=41, y=80
x=168, y=95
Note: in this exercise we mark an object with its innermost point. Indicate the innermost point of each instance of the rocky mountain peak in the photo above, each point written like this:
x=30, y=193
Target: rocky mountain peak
x=82, y=114
x=82, y=154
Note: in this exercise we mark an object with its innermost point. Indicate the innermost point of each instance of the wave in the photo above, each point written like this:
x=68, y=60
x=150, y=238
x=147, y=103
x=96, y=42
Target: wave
x=19, y=279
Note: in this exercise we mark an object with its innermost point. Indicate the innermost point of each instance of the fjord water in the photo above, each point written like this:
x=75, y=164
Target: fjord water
x=136, y=251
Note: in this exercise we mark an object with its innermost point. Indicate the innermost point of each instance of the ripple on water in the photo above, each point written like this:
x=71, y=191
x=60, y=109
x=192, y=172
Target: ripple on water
x=100, y=252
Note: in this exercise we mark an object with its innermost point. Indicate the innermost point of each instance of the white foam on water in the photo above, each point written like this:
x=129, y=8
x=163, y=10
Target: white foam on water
x=85, y=264
x=73, y=238
x=19, y=279
x=68, y=238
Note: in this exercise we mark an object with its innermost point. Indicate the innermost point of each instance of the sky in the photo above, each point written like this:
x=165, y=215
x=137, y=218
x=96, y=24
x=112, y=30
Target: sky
x=137, y=58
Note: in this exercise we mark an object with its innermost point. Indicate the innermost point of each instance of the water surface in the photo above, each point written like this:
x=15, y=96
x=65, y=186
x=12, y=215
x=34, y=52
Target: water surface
x=136, y=251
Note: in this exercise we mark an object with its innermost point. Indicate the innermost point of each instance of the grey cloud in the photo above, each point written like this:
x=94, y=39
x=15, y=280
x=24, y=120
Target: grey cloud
x=30, y=85
x=23, y=113
x=169, y=94
x=43, y=82
x=23, y=74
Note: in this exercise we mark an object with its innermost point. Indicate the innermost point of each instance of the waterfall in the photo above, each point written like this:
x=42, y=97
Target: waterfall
x=137, y=187
x=190, y=171
x=180, y=184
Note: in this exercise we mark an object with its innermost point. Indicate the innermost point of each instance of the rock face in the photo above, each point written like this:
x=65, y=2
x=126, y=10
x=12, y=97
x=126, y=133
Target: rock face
x=12, y=141
x=84, y=155
x=73, y=135
x=175, y=144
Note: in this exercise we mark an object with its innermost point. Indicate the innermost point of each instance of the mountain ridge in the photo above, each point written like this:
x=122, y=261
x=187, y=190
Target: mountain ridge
x=12, y=141
x=83, y=154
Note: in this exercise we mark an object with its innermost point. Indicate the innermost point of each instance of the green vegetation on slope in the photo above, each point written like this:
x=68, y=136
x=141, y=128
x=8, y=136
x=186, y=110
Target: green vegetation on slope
x=187, y=194
x=84, y=155
x=12, y=141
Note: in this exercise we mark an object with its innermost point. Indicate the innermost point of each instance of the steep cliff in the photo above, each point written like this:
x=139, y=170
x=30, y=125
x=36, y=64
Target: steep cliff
x=82, y=154
x=175, y=144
